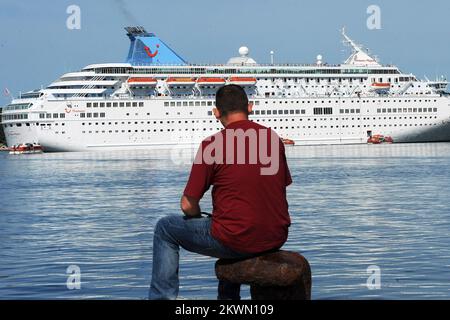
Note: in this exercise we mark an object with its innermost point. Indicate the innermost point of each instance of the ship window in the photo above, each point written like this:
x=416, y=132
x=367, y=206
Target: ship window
x=185, y=103
x=328, y=111
x=122, y=104
x=62, y=115
x=178, y=103
x=41, y=115
x=48, y=115
x=203, y=103
x=115, y=104
x=191, y=103
x=134, y=104
x=95, y=104
x=82, y=115
x=166, y=104
x=55, y=115
x=269, y=111
x=172, y=103
x=108, y=104
x=318, y=110
x=209, y=113
x=88, y=105
x=102, y=104
x=89, y=115
x=128, y=104
x=95, y=115
x=102, y=115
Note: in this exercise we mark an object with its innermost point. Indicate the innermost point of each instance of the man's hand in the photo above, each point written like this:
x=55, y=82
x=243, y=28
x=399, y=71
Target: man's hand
x=190, y=206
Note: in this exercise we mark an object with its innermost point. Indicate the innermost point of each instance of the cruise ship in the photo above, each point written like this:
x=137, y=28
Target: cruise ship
x=157, y=99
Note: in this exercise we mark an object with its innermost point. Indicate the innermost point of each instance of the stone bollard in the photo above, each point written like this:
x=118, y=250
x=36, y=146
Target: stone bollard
x=281, y=275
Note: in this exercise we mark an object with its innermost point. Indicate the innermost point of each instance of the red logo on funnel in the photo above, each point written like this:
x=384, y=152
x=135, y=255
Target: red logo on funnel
x=149, y=52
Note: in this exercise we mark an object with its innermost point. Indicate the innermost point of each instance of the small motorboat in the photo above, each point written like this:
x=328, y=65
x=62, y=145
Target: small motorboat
x=288, y=142
x=26, y=148
x=379, y=138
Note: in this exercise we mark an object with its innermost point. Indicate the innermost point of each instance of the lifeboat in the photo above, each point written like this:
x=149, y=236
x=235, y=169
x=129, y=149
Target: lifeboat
x=288, y=142
x=140, y=81
x=26, y=148
x=379, y=138
x=381, y=86
x=242, y=81
x=180, y=81
x=210, y=81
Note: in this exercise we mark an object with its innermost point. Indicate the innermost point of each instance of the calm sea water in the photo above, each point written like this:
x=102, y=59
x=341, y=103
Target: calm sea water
x=352, y=207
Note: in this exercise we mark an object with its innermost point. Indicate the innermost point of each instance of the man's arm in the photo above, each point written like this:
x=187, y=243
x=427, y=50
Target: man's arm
x=190, y=206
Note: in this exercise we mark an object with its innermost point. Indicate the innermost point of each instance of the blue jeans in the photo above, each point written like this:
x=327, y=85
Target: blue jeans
x=192, y=234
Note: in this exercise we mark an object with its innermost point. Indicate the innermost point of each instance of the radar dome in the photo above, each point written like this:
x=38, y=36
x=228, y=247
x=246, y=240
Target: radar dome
x=243, y=51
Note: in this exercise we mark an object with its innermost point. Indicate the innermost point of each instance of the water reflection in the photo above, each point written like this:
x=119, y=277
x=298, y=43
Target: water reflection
x=351, y=206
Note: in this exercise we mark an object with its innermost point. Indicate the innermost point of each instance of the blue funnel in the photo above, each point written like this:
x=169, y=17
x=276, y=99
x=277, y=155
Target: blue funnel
x=147, y=49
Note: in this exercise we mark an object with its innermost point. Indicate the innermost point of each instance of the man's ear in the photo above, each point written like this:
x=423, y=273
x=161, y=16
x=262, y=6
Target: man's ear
x=216, y=113
x=250, y=108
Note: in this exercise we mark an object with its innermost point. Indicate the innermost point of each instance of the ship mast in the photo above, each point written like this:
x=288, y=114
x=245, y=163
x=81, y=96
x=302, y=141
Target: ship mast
x=360, y=56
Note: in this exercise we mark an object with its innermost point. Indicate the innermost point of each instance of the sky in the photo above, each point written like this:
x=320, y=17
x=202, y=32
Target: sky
x=36, y=47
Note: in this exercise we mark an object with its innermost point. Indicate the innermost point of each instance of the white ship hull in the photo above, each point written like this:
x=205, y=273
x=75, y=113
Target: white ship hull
x=156, y=126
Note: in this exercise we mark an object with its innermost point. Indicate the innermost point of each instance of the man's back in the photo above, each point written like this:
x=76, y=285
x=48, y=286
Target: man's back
x=250, y=210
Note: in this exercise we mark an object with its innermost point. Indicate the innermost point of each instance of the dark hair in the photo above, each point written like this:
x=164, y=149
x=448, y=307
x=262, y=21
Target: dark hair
x=231, y=98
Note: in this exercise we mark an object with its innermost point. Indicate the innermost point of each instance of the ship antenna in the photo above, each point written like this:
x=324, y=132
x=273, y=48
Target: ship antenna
x=357, y=50
x=349, y=41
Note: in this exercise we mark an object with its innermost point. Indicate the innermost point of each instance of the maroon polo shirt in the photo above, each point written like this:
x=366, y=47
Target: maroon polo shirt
x=250, y=210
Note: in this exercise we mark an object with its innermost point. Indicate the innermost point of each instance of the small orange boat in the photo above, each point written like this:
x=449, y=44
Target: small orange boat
x=210, y=81
x=381, y=86
x=288, y=142
x=242, y=81
x=379, y=138
x=141, y=81
x=180, y=81
x=26, y=148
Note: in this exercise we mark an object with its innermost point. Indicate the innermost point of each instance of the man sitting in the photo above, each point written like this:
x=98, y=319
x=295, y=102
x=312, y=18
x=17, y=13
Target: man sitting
x=246, y=165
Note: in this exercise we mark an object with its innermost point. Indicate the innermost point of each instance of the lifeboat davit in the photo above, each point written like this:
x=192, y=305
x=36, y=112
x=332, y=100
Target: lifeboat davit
x=242, y=81
x=210, y=81
x=26, y=148
x=180, y=81
x=141, y=81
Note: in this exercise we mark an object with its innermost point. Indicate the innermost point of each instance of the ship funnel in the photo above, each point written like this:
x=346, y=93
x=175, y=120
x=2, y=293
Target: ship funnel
x=147, y=49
